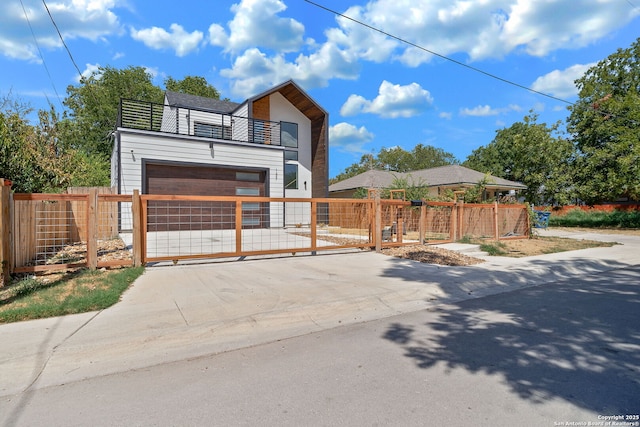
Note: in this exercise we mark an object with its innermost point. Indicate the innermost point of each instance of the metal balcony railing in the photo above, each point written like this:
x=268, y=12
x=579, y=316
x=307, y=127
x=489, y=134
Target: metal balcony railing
x=196, y=122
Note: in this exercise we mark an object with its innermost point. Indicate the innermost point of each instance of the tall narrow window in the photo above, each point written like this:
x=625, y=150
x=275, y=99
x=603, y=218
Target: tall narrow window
x=289, y=134
x=291, y=176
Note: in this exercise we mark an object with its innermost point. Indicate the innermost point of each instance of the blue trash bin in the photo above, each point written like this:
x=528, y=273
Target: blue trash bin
x=542, y=219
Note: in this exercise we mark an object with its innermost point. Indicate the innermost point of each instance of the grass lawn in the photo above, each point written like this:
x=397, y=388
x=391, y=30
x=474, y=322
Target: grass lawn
x=64, y=293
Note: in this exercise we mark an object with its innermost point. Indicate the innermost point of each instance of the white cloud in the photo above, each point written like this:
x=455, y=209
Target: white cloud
x=177, y=39
x=486, y=110
x=479, y=111
x=348, y=138
x=560, y=83
x=480, y=29
x=88, y=71
x=256, y=24
x=87, y=19
x=445, y=115
x=254, y=70
x=392, y=101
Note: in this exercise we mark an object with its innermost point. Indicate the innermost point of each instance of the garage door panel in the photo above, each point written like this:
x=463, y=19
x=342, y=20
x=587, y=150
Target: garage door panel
x=198, y=181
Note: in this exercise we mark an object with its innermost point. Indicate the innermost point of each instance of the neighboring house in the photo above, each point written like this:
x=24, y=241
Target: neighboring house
x=274, y=144
x=438, y=180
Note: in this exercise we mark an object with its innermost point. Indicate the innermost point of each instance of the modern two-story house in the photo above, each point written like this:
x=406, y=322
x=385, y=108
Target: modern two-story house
x=274, y=144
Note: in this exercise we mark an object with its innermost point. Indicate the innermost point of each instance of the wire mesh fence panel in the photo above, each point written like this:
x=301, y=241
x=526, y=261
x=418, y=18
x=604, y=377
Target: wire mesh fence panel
x=50, y=232
x=188, y=228
x=478, y=221
x=345, y=224
x=209, y=227
x=396, y=223
x=438, y=223
x=114, y=248
x=513, y=221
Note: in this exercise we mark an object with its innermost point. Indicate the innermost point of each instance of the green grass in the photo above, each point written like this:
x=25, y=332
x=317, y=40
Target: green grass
x=78, y=292
x=494, y=248
x=596, y=219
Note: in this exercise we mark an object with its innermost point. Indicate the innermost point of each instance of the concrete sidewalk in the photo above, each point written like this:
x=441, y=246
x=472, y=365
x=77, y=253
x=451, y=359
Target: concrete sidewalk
x=179, y=312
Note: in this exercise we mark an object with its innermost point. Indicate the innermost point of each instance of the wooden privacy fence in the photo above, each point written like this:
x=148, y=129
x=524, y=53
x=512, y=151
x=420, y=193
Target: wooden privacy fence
x=90, y=227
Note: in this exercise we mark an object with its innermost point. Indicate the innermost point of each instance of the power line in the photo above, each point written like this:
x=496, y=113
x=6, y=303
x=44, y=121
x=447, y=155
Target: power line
x=61, y=38
x=73, y=60
x=478, y=70
x=41, y=56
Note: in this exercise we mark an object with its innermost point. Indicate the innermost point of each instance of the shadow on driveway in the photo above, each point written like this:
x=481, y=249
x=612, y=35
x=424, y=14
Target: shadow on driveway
x=575, y=339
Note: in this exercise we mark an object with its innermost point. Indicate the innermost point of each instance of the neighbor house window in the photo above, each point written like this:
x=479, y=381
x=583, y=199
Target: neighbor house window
x=209, y=130
x=289, y=134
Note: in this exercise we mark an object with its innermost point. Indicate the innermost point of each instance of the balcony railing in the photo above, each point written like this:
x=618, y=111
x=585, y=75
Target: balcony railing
x=196, y=122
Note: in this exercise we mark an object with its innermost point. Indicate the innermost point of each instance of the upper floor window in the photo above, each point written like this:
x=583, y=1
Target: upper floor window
x=289, y=134
x=209, y=130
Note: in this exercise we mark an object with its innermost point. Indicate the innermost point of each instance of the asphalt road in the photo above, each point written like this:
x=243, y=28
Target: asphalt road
x=561, y=353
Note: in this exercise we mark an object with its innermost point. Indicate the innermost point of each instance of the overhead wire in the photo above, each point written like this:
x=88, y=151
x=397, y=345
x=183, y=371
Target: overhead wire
x=44, y=63
x=462, y=64
x=53, y=21
x=439, y=55
x=74, y=61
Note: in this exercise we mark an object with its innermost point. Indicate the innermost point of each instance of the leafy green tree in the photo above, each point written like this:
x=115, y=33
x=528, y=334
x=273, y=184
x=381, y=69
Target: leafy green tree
x=399, y=160
x=35, y=159
x=367, y=162
x=534, y=154
x=192, y=85
x=605, y=125
x=94, y=105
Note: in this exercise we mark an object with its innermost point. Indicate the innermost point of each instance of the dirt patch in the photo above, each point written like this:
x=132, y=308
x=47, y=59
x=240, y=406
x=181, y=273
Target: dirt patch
x=431, y=255
x=543, y=245
x=108, y=250
x=516, y=248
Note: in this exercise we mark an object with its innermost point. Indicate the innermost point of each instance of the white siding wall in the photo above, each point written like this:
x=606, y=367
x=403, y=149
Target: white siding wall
x=283, y=110
x=137, y=146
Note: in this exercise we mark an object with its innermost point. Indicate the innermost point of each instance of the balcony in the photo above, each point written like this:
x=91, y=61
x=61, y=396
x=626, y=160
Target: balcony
x=175, y=120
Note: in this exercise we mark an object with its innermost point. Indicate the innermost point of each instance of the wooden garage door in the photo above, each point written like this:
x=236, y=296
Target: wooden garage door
x=202, y=181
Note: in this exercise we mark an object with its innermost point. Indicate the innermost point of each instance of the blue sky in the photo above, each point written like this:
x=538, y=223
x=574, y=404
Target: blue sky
x=378, y=91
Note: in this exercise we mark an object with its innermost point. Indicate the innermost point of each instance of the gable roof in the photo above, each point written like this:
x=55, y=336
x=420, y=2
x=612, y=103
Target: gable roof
x=297, y=97
x=433, y=177
x=178, y=99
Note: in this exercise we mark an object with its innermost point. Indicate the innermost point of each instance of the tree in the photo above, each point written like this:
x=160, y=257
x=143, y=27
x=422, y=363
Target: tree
x=532, y=153
x=605, y=124
x=94, y=106
x=399, y=160
x=36, y=160
x=192, y=85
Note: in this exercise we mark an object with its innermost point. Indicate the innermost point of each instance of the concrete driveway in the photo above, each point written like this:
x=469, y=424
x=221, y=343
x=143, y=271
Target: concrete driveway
x=178, y=312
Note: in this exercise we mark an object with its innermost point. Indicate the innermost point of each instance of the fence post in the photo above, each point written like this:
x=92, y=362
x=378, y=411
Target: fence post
x=400, y=224
x=496, y=232
x=314, y=227
x=5, y=231
x=136, y=212
x=238, y=226
x=92, y=229
x=461, y=218
x=377, y=207
x=422, y=222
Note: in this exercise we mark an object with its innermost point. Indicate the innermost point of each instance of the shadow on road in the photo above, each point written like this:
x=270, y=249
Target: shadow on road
x=575, y=339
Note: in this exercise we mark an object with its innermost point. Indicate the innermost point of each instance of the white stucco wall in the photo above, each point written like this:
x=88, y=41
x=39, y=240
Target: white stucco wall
x=283, y=110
